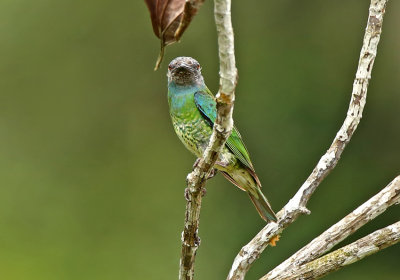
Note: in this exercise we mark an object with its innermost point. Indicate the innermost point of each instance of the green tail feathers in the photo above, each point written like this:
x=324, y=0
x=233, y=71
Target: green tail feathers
x=262, y=206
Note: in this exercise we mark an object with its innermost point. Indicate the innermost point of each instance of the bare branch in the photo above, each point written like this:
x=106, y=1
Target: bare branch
x=363, y=214
x=221, y=131
x=346, y=255
x=297, y=205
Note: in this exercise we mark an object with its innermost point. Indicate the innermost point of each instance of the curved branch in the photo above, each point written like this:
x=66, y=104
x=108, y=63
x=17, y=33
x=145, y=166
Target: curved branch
x=375, y=206
x=297, y=205
x=221, y=131
x=346, y=255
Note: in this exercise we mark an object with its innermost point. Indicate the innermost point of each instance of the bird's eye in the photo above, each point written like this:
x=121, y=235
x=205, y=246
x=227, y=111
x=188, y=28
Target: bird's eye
x=169, y=67
x=198, y=66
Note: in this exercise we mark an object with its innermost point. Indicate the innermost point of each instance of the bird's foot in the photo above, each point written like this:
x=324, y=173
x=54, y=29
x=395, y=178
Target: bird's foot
x=222, y=164
x=213, y=172
x=187, y=194
x=196, y=163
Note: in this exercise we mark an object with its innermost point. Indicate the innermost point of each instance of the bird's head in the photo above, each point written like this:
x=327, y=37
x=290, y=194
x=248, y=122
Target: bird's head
x=184, y=70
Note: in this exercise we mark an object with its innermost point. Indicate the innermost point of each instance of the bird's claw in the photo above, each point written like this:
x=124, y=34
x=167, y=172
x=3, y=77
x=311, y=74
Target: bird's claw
x=187, y=195
x=196, y=163
x=212, y=173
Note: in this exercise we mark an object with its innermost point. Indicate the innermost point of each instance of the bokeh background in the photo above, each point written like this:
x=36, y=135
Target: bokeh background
x=92, y=175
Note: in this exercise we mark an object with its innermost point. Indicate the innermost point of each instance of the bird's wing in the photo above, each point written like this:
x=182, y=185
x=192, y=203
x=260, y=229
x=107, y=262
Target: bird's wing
x=207, y=105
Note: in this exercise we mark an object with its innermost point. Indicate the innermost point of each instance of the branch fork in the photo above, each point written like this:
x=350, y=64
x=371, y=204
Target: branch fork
x=297, y=205
x=307, y=263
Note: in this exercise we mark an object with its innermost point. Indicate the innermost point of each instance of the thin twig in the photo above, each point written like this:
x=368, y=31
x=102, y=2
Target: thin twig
x=221, y=131
x=375, y=206
x=346, y=255
x=297, y=205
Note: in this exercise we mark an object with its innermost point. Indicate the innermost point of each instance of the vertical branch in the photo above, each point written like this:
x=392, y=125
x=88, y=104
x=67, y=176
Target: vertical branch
x=297, y=204
x=221, y=131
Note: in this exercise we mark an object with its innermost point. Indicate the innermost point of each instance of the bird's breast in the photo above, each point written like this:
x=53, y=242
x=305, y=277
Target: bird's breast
x=189, y=124
x=193, y=132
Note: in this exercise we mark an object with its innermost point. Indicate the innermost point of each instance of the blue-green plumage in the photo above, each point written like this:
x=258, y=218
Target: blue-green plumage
x=193, y=112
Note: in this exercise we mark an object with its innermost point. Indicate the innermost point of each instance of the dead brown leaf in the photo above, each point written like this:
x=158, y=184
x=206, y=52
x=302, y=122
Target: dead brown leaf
x=170, y=18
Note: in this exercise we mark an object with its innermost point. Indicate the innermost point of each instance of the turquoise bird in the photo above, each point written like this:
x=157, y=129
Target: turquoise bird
x=193, y=111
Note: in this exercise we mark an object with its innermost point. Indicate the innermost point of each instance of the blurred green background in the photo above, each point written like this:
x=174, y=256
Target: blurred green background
x=92, y=175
